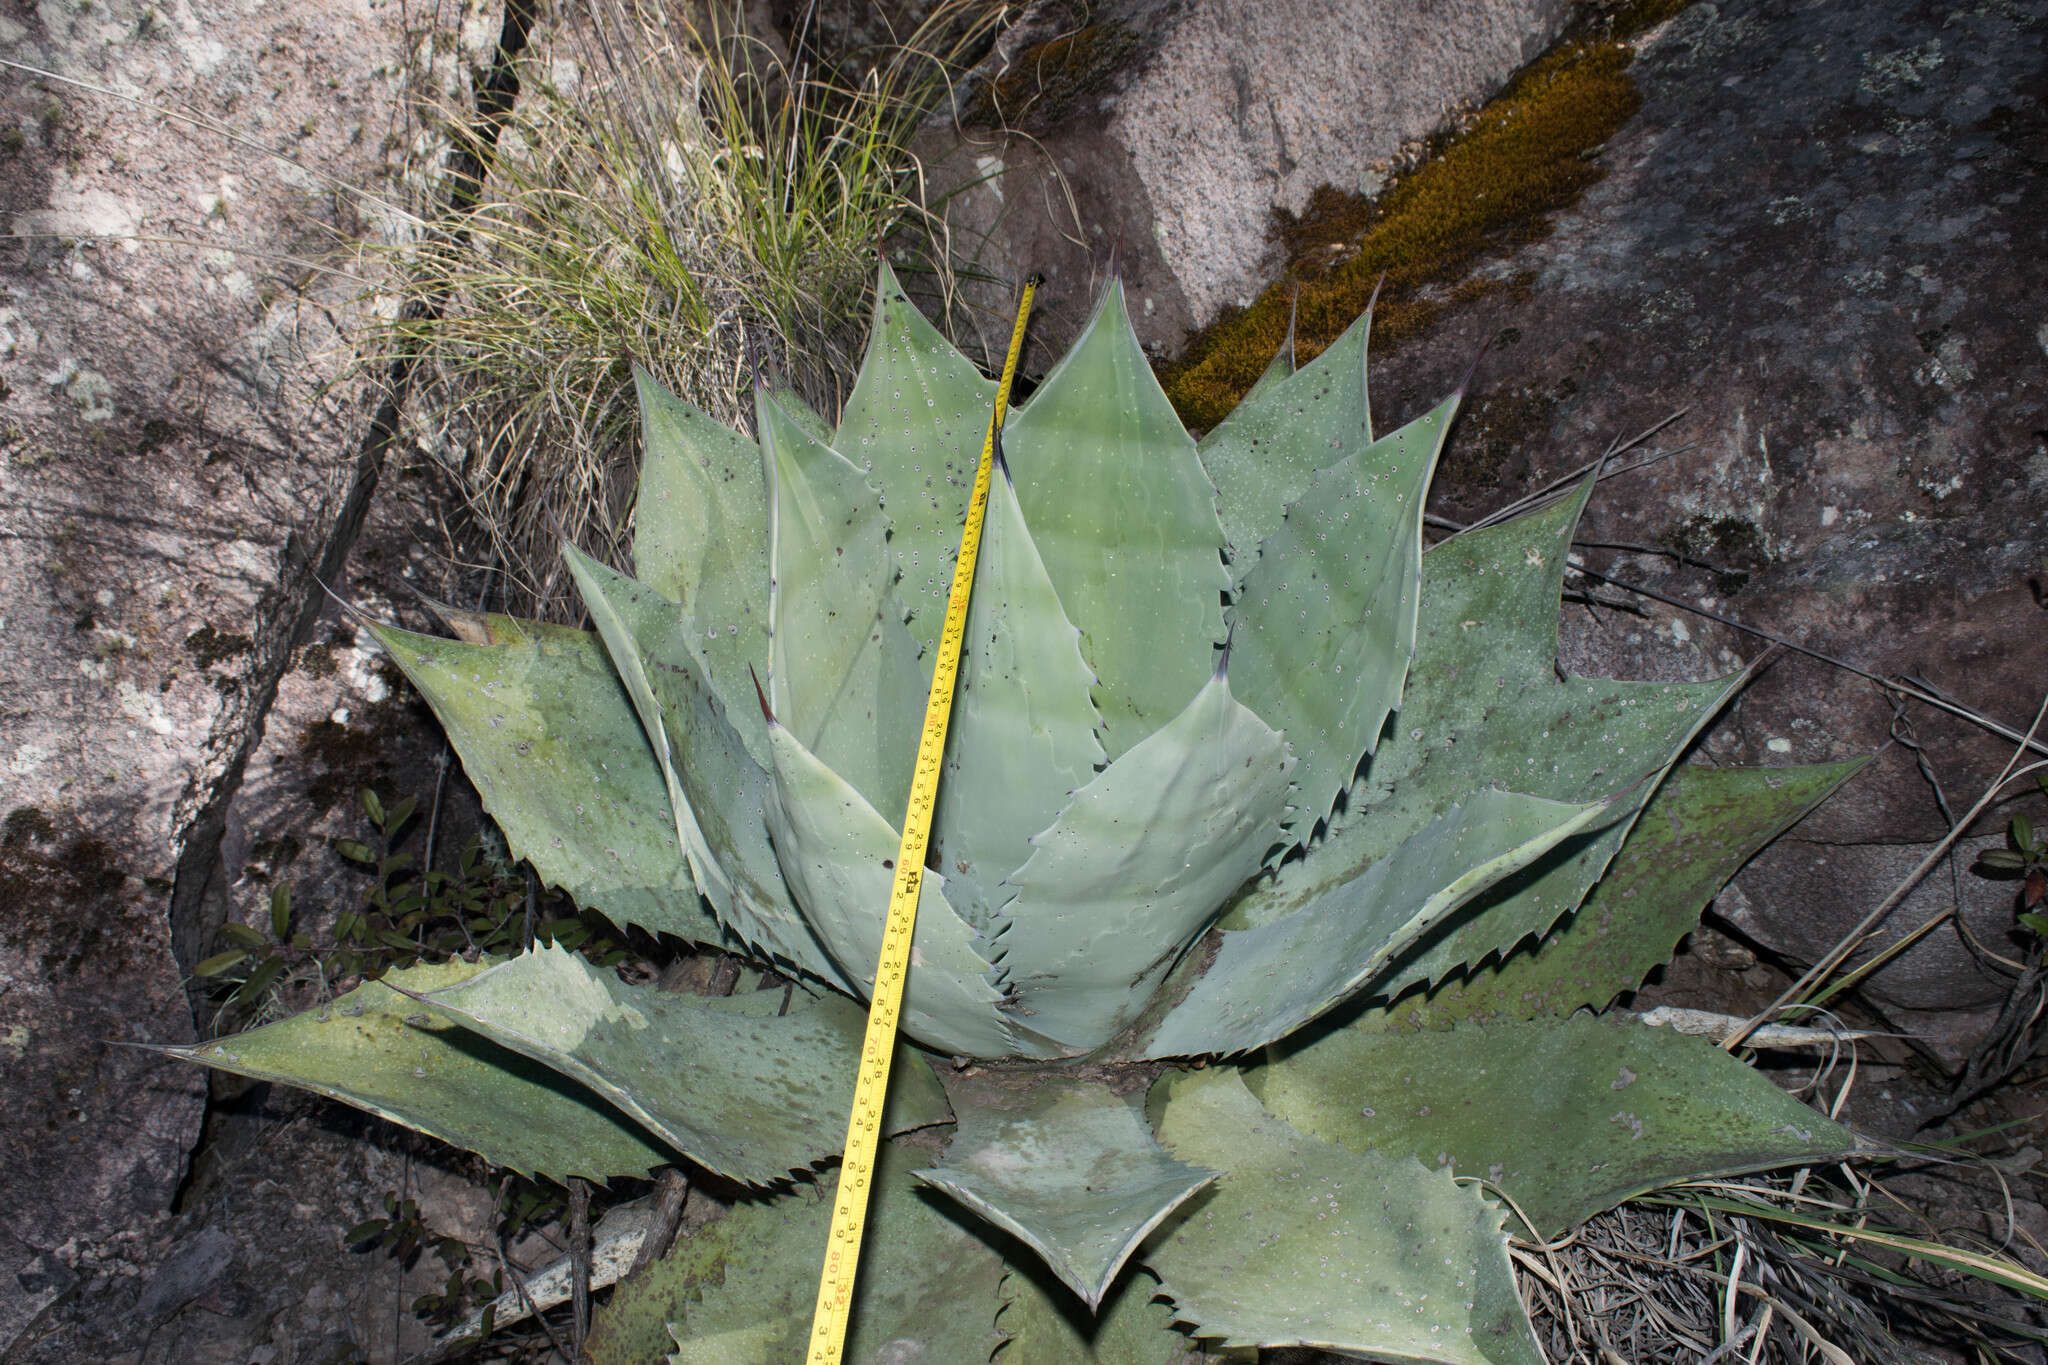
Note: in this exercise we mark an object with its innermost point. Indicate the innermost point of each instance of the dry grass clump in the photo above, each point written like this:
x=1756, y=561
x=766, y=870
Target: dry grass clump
x=699, y=201
x=1811, y=1267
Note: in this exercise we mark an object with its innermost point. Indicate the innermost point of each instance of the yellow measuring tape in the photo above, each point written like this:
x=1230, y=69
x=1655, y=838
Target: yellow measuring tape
x=871, y=1085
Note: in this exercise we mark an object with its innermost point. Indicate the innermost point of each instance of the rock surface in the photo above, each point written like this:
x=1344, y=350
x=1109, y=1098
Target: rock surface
x=178, y=439
x=1819, y=239
x=1176, y=129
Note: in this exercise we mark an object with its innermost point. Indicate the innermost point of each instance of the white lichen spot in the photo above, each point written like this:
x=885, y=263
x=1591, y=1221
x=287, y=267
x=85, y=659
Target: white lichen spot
x=139, y=705
x=363, y=680
x=1779, y=745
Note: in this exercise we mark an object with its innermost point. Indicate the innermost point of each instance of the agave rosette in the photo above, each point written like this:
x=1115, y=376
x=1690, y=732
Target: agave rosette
x=1230, y=756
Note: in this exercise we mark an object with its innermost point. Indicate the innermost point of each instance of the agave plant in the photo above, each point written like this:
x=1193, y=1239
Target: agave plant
x=1278, y=875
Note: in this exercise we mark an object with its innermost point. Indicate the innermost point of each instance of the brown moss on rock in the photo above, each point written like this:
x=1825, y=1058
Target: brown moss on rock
x=1489, y=185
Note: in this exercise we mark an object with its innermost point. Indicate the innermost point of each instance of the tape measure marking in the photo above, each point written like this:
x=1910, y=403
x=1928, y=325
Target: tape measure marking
x=871, y=1083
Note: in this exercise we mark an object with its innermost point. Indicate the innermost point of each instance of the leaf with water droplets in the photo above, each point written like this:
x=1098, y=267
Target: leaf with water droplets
x=1323, y=628
x=1066, y=1164
x=1697, y=831
x=700, y=538
x=719, y=793
x=1485, y=705
x=839, y=857
x=1302, y=1243
x=928, y=1291
x=1046, y=1325
x=916, y=422
x=844, y=675
x=1125, y=521
x=379, y=1050
x=1022, y=738
x=1265, y=983
x=1263, y=455
x=732, y=1083
x=549, y=736
x=1567, y=1116
x=1136, y=867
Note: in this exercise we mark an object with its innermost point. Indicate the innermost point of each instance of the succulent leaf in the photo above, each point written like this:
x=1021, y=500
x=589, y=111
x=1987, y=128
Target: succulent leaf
x=1045, y=1325
x=802, y=413
x=549, y=736
x=1266, y=982
x=916, y=421
x=718, y=791
x=1697, y=832
x=843, y=671
x=838, y=856
x=1484, y=703
x=1568, y=1116
x=1023, y=731
x=1291, y=425
x=1303, y=1243
x=627, y=661
x=1125, y=520
x=1067, y=1165
x=929, y=1287
x=380, y=1050
x=1137, y=865
x=1323, y=628
x=700, y=538
x=729, y=1082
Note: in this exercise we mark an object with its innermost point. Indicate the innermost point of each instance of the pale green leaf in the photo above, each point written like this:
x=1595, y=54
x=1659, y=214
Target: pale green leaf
x=916, y=422
x=719, y=792
x=1697, y=832
x=929, y=1288
x=1268, y=981
x=730, y=1082
x=1263, y=455
x=1323, y=628
x=619, y=642
x=700, y=538
x=380, y=1050
x=1065, y=1164
x=1302, y=1243
x=1137, y=865
x=1485, y=705
x=1023, y=730
x=839, y=856
x=844, y=675
x=802, y=413
x=549, y=736
x=1567, y=1116
x=1126, y=522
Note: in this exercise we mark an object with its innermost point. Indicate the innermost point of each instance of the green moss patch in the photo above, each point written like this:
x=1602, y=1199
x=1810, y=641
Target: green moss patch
x=1489, y=186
